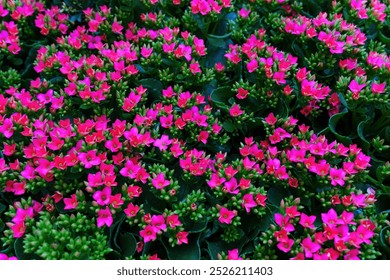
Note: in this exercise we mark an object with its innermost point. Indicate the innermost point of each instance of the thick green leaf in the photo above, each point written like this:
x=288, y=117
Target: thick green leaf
x=198, y=226
x=276, y=194
x=217, y=247
x=360, y=131
x=333, y=121
x=220, y=97
x=2, y=208
x=114, y=232
x=383, y=240
x=127, y=243
x=229, y=126
x=154, y=87
x=190, y=251
x=19, y=251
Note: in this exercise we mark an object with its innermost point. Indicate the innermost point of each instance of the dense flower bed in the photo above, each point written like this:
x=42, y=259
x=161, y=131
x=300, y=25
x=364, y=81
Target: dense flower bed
x=194, y=129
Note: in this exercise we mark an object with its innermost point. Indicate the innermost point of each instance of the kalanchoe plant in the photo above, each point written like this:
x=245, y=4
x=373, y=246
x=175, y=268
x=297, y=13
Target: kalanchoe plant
x=194, y=129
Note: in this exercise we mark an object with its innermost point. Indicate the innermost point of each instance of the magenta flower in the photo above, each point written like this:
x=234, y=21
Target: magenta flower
x=248, y=202
x=309, y=247
x=355, y=87
x=331, y=218
x=149, y=233
x=131, y=210
x=71, y=203
x=182, y=237
x=173, y=221
x=285, y=246
x=235, y=110
x=226, y=216
x=233, y=255
x=104, y=217
x=159, y=181
x=163, y=142
x=307, y=221
x=284, y=222
x=337, y=176
x=89, y=159
x=102, y=197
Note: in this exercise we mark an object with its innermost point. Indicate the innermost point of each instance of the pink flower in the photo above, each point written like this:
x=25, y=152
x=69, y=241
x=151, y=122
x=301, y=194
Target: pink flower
x=148, y=233
x=233, y=255
x=71, y=203
x=284, y=222
x=173, y=221
x=226, y=216
x=102, y=197
x=310, y=247
x=337, y=176
x=307, y=221
x=18, y=229
x=331, y=218
x=182, y=237
x=162, y=143
x=159, y=181
x=202, y=137
x=285, y=246
x=104, y=217
x=4, y=257
x=89, y=159
x=235, y=111
x=378, y=88
x=252, y=65
x=248, y=202
x=131, y=210
x=355, y=87
x=195, y=68
x=117, y=28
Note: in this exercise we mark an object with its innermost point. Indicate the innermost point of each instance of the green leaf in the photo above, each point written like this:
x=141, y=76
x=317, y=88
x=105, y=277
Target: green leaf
x=360, y=132
x=198, y=226
x=228, y=126
x=382, y=239
x=190, y=251
x=154, y=87
x=2, y=225
x=127, y=243
x=220, y=97
x=384, y=38
x=333, y=121
x=114, y=231
x=217, y=247
x=276, y=194
x=2, y=208
x=19, y=251
x=216, y=42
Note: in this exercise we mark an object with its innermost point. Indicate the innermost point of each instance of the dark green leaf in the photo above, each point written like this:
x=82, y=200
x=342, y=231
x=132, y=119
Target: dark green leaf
x=127, y=243
x=2, y=208
x=154, y=87
x=220, y=97
x=276, y=194
x=383, y=240
x=228, y=126
x=190, y=251
x=217, y=247
x=217, y=42
x=19, y=251
x=333, y=121
x=198, y=226
x=360, y=132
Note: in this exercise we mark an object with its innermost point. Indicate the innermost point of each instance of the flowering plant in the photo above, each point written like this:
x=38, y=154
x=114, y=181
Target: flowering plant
x=153, y=129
